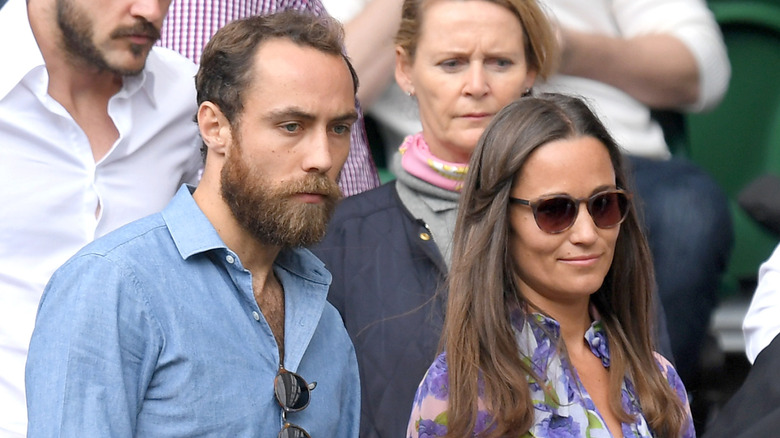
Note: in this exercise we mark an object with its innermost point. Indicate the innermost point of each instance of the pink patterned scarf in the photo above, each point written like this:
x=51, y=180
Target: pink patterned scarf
x=416, y=158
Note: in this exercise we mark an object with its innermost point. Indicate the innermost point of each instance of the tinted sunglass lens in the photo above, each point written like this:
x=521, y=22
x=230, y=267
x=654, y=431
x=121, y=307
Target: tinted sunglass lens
x=608, y=209
x=293, y=431
x=554, y=215
x=291, y=391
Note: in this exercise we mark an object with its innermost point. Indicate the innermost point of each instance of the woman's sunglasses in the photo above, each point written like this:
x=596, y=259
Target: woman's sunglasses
x=557, y=213
x=293, y=395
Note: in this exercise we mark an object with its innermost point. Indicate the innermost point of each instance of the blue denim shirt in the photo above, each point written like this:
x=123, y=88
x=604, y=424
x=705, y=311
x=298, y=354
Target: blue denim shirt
x=153, y=330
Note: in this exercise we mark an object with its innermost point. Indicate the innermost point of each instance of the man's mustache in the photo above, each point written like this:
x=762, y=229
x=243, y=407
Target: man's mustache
x=141, y=28
x=318, y=184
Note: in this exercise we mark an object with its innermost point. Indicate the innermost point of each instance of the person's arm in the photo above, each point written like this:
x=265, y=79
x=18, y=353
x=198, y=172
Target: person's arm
x=90, y=357
x=369, y=39
x=762, y=321
x=657, y=70
x=670, y=55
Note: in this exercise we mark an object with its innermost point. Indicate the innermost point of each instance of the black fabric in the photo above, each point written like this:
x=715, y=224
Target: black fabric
x=386, y=274
x=761, y=200
x=674, y=128
x=754, y=410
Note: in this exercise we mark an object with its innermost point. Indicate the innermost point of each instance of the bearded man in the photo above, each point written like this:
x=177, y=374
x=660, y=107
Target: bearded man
x=209, y=318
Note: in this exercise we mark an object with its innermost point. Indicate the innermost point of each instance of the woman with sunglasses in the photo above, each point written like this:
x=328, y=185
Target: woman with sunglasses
x=549, y=314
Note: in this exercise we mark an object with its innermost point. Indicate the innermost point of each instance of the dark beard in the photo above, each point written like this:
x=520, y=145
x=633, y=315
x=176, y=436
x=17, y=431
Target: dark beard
x=267, y=210
x=77, y=39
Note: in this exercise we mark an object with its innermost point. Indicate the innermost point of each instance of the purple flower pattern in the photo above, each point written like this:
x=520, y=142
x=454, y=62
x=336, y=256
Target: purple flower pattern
x=569, y=412
x=431, y=429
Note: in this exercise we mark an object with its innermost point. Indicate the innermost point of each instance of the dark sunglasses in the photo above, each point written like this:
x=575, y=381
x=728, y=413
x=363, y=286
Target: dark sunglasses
x=293, y=395
x=557, y=213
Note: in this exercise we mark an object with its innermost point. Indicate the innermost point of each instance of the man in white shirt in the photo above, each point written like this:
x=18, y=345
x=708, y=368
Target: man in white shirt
x=95, y=131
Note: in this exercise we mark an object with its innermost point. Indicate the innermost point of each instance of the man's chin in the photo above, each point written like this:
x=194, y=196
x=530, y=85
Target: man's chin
x=131, y=62
x=128, y=70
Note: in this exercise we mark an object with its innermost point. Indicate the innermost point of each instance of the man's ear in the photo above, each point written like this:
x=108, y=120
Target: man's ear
x=214, y=128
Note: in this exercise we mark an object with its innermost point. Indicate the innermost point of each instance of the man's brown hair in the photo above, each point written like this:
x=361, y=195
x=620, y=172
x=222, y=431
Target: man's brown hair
x=226, y=65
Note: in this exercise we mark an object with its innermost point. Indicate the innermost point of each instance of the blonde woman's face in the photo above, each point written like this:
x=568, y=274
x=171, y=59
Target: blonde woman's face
x=562, y=269
x=470, y=63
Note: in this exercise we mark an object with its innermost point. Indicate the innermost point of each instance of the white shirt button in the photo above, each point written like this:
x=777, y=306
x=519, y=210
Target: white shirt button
x=256, y=315
x=230, y=259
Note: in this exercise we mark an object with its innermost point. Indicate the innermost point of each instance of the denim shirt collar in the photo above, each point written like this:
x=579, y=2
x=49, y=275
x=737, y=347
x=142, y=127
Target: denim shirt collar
x=190, y=230
x=303, y=275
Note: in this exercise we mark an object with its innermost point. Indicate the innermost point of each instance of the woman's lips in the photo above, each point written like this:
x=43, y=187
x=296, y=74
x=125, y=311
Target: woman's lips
x=586, y=260
x=476, y=115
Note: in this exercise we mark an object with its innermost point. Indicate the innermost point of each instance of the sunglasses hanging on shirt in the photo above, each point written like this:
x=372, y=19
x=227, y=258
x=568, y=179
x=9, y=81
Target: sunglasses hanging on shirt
x=293, y=395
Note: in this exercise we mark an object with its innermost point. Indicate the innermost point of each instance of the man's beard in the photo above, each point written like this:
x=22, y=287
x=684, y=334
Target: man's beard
x=77, y=35
x=267, y=209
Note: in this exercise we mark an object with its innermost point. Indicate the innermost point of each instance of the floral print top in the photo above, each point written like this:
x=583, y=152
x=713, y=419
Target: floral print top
x=573, y=415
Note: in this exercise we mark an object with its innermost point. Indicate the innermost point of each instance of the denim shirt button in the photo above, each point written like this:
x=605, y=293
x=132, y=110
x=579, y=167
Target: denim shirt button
x=256, y=316
x=230, y=259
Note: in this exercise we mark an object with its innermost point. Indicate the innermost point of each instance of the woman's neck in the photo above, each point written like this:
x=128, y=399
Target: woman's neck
x=418, y=160
x=574, y=320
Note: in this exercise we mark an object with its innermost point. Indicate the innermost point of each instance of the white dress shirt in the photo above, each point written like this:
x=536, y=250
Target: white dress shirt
x=762, y=321
x=626, y=118
x=55, y=198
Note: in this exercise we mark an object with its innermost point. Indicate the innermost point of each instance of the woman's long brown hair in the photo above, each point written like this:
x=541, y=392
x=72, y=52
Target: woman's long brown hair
x=478, y=337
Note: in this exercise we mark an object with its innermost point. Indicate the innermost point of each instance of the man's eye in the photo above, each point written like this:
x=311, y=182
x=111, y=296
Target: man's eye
x=291, y=127
x=341, y=129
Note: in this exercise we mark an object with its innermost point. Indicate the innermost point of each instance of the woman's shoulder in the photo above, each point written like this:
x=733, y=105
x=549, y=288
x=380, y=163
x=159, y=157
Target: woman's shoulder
x=665, y=364
x=429, y=410
x=435, y=383
x=677, y=385
x=671, y=375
